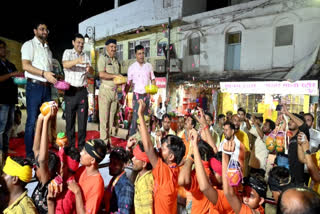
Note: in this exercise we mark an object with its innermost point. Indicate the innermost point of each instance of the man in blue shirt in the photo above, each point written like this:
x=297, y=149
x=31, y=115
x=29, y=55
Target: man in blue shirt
x=120, y=189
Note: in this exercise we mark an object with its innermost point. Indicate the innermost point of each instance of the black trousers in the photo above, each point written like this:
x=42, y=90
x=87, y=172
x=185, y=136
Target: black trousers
x=76, y=105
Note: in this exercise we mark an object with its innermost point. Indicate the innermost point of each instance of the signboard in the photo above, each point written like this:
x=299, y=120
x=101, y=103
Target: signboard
x=161, y=82
x=307, y=87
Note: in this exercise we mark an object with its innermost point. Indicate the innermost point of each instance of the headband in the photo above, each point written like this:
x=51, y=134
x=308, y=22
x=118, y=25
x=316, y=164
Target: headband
x=257, y=185
x=89, y=147
x=72, y=164
x=140, y=155
x=216, y=166
x=12, y=168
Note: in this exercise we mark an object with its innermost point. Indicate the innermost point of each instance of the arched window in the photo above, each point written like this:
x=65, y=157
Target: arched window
x=194, y=44
x=233, y=38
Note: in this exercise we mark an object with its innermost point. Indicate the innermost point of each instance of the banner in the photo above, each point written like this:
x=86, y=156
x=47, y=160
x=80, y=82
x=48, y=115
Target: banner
x=307, y=87
x=161, y=82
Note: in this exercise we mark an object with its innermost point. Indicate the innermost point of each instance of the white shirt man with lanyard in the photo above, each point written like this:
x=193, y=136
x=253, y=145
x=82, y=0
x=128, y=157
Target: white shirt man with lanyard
x=37, y=64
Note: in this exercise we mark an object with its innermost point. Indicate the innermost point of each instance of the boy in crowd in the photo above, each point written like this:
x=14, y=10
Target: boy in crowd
x=296, y=124
x=205, y=183
x=215, y=135
x=64, y=202
x=279, y=180
x=218, y=127
x=180, y=130
x=47, y=162
x=118, y=196
x=166, y=125
x=143, y=185
x=17, y=130
x=88, y=186
x=255, y=188
x=165, y=168
x=16, y=174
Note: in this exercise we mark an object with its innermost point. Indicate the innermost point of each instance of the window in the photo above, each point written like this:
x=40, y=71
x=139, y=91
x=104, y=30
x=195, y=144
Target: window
x=233, y=38
x=120, y=52
x=233, y=51
x=146, y=45
x=284, y=35
x=131, y=50
x=160, y=47
x=194, y=46
x=167, y=3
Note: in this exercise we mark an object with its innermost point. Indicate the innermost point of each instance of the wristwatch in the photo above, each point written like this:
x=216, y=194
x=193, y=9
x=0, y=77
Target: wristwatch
x=307, y=152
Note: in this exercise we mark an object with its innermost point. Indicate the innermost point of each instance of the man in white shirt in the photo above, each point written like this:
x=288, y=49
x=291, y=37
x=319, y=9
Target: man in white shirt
x=140, y=74
x=166, y=125
x=76, y=66
x=314, y=134
x=37, y=63
x=259, y=153
x=242, y=115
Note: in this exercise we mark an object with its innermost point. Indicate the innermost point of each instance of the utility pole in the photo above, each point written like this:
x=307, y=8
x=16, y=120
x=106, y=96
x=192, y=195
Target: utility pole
x=168, y=58
x=94, y=116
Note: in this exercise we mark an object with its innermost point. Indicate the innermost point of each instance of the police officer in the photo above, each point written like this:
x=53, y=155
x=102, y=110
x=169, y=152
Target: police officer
x=108, y=68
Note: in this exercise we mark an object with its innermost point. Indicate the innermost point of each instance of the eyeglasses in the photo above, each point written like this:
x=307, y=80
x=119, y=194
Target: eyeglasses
x=44, y=29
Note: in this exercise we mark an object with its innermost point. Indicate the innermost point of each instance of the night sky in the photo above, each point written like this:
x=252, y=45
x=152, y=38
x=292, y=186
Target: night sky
x=62, y=17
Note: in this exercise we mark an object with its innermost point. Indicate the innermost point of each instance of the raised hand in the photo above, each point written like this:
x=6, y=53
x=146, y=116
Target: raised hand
x=303, y=141
x=229, y=146
x=131, y=141
x=193, y=136
x=201, y=119
x=142, y=106
x=284, y=109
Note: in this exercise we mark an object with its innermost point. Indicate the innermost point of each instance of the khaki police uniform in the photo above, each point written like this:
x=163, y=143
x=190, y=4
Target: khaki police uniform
x=107, y=96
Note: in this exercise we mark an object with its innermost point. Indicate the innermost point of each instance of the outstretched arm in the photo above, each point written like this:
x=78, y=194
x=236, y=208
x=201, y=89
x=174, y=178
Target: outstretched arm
x=37, y=136
x=204, y=184
x=232, y=198
x=295, y=119
x=303, y=146
x=205, y=128
x=184, y=178
x=43, y=158
x=145, y=136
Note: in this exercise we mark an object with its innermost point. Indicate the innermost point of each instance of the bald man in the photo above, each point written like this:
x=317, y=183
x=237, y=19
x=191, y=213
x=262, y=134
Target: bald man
x=299, y=200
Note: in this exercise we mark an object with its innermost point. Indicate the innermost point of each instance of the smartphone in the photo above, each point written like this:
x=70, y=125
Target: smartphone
x=248, y=115
x=279, y=107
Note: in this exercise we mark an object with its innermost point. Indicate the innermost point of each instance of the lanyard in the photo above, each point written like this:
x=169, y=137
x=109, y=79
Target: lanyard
x=4, y=64
x=115, y=181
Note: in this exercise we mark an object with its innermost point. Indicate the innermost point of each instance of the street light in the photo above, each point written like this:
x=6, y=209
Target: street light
x=90, y=36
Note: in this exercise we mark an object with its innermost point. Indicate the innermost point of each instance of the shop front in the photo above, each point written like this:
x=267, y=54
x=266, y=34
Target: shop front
x=264, y=96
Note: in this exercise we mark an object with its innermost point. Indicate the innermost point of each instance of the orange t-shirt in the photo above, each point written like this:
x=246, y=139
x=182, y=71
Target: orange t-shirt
x=222, y=206
x=92, y=189
x=247, y=210
x=165, y=187
x=200, y=203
